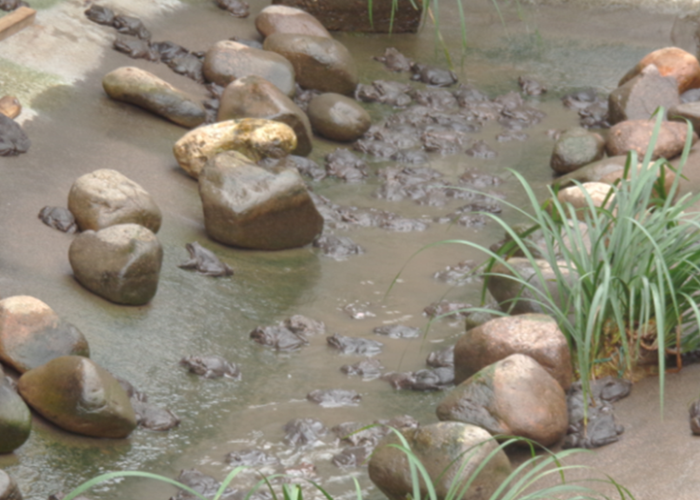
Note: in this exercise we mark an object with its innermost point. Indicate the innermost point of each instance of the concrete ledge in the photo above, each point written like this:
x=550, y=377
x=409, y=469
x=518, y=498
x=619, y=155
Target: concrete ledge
x=16, y=21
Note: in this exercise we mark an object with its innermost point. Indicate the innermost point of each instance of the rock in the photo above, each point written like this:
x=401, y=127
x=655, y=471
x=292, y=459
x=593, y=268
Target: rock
x=254, y=97
x=303, y=431
x=513, y=397
x=352, y=345
x=205, y=262
x=670, y=61
x=511, y=295
x=146, y=90
x=13, y=140
x=338, y=118
x=577, y=196
x=639, y=98
x=575, y=148
x=8, y=487
x=398, y=331
x=282, y=19
x=31, y=334
x=252, y=137
x=279, y=337
x=237, y=8
x=106, y=198
x=58, y=218
x=331, y=398
x=451, y=452
x=211, y=367
x=634, y=135
x=120, y=263
x=536, y=335
x=226, y=61
x=80, y=396
x=319, y=63
x=688, y=111
x=15, y=426
x=249, y=207
x=10, y=106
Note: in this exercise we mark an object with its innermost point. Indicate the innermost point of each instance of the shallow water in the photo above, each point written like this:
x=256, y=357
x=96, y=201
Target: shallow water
x=77, y=129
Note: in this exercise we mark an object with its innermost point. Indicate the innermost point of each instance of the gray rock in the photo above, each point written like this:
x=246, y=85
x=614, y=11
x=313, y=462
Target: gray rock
x=575, y=148
x=515, y=397
x=31, y=334
x=254, y=97
x=80, y=396
x=228, y=60
x=146, y=90
x=688, y=111
x=105, y=198
x=451, y=452
x=247, y=206
x=282, y=19
x=638, y=98
x=536, y=335
x=338, y=118
x=120, y=263
x=319, y=63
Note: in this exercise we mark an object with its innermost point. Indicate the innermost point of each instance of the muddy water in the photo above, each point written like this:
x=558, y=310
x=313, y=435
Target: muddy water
x=78, y=129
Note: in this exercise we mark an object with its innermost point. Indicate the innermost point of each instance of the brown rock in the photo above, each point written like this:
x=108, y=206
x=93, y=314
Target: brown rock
x=253, y=137
x=576, y=196
x=635, y=135
x=10, y=106
x=228, y=60
x=31, y=334
x=671, y=61
x=319, y=63
x=338, y=117
x=536, y=335
x=282, y=19
x=515, y=397
x=254, y=97
x=451, y=453
x=640, y=97
x=15, y=424
x=575, y=148
x=78, y=395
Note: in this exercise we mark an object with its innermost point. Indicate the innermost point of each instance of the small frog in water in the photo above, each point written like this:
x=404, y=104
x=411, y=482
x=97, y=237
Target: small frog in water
x=211, y=367
x=432, y=75
x=205, y=262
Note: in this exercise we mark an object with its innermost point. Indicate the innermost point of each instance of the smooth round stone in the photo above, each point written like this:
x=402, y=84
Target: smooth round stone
x=635, y=135
x=671, y=61
x=31, y=334
x=227, y=60
x=253, y=137
x=105, y=198
x=120, y=263
x=78, y=395
x=282, y=19
x=15, y=422
x=254, y=97
x=319, y=63
x=576, y=196
x=146, y=90
x=337, y=117
x=575, y=148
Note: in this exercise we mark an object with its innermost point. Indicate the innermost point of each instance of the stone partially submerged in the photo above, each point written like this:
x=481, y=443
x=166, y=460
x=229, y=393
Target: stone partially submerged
x=253, y=138
x=250, y=207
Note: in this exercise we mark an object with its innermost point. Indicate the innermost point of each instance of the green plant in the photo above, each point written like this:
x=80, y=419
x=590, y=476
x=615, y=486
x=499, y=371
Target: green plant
x=520, y=484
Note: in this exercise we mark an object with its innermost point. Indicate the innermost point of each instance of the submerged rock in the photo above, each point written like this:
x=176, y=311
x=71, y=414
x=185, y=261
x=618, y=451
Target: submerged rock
x=205, y=262
x=78, y=395
x=212, y=366
x=146, y=90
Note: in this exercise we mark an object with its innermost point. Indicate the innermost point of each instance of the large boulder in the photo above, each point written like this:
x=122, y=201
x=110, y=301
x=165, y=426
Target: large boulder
x=642, y=95
x=575, y=148
x=252, y=137
x=228, y=60
x=513, y=296
x=78, y=395
x=146, y=90
x=120, y=263
x=338, y=117
x=513, y=397
x=105, y=198
x=451, y=453
x=282, y=19
x=254, y=97
x=31, y=334
x=250, y=207
x=671, y=61
x=320, y=63
x=635, y=135
x=8, y=487
x=536, y=335
x=15, y=421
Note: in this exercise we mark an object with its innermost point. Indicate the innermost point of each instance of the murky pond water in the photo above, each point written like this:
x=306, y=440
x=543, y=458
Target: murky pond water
x=78, y=129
